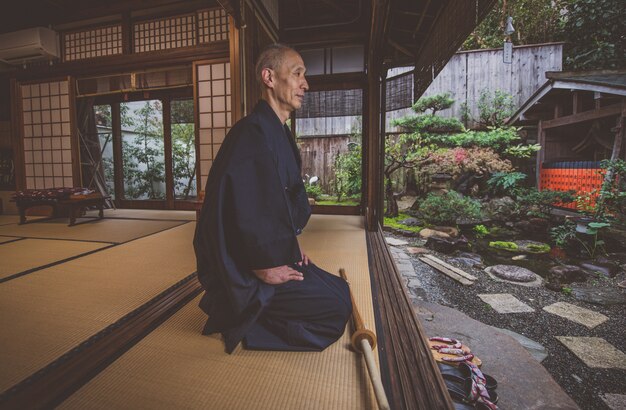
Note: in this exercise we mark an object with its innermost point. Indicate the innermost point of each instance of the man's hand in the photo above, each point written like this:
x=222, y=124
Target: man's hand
x=278, y=275
x=305, y=260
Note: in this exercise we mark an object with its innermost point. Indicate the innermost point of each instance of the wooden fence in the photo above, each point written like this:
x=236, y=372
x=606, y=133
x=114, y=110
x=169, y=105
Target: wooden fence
x=318, y=157
x=468, y=73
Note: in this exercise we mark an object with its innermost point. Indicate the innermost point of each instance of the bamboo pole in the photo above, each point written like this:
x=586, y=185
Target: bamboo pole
x=363, y=340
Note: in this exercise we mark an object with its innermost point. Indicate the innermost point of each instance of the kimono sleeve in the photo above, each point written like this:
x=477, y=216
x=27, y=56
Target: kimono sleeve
x=260, y=232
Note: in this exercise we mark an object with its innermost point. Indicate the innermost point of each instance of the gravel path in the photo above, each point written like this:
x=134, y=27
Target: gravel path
x=583, y=384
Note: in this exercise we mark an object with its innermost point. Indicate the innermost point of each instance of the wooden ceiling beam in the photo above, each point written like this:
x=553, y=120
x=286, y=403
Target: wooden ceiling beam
x=401, y=48
x=421, y=20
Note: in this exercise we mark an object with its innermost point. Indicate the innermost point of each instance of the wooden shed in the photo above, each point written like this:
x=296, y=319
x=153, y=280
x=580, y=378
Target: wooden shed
x=167, y=56
x=579, y=120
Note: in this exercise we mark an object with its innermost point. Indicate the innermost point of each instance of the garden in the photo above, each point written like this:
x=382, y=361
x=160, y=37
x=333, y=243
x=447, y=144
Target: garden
x=470, y=194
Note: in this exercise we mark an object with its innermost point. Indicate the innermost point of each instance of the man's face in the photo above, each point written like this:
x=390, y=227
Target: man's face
x=290, y=84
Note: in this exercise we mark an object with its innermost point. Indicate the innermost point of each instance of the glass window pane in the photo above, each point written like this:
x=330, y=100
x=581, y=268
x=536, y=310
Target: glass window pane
x=183, y=150
x=143, y=153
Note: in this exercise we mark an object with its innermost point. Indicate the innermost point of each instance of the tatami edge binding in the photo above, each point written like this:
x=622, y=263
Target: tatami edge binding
x=52, y=384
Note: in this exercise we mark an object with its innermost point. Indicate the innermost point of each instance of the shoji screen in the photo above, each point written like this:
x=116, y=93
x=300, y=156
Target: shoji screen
x=47, y=135
x=214, y=112
x=97, y=42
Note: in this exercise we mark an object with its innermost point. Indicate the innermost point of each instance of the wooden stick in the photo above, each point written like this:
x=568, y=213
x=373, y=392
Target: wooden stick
x=364, y=341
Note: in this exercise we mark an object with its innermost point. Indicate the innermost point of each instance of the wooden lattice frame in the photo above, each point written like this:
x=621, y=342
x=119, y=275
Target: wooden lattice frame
x=93, y=42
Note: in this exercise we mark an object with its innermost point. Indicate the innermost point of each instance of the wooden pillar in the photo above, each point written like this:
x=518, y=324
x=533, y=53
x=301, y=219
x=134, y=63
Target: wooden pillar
x=17, y=141
x=169, y=162
x=373, y=170
x=236, y=72
x=576, y=102
x=541, y=139
x=118, y=170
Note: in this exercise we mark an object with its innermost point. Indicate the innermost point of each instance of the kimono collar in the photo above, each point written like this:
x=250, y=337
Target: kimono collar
x=270, y=121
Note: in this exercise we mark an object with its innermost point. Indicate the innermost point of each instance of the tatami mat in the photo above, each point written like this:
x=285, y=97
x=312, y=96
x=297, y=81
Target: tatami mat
x=29, y=254
x=14, y=219
x=176, y=367
x=50, y=311
x=103, y=230
x=5, y=239
x=146, y=214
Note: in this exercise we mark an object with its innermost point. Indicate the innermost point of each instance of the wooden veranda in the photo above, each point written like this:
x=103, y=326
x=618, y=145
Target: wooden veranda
x=204, y=51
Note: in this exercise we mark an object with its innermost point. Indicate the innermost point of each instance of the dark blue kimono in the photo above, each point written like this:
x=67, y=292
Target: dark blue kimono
x=255, y=206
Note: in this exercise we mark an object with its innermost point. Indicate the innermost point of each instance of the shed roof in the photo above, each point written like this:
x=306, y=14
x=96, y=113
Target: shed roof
x=606, y=81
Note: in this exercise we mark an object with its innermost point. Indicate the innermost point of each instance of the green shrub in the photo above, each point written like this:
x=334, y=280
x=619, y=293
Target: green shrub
x=314, y=191
x=505, y=183
x=543, y=200
x=447, y=208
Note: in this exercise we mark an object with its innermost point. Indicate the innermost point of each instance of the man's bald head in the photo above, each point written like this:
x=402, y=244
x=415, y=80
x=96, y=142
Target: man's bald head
x=271, y=57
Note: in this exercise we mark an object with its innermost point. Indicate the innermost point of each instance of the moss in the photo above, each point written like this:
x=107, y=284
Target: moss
x=395, y=223
x=536, y=248
x=507, y=246
x=346, y=202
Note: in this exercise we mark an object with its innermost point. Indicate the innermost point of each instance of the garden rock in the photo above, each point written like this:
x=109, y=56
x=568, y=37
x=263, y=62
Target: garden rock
x=532, y=246
x=601, y=265
x=428, y=233
x=453, y=232
x=446, y=245
x=472, y=260
x=501, y=209
x=513, y=273
x=599, y=296
x=519, y=257
x=564, y=274
x=412, y=250
x=411, y=222
x=533, y=225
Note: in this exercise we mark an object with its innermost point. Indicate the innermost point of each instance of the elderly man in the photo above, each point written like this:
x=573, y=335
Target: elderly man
x=259, y=286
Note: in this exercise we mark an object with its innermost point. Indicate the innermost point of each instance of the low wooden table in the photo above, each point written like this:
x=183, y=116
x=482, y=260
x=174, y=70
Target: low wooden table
x=73, y=206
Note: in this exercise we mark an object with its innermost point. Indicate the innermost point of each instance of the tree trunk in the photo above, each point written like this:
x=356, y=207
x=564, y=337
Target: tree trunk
x=392, y=204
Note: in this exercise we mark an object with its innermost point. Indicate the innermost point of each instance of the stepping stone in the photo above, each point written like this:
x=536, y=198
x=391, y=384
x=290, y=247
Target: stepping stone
x=396, y=242
x=595, y=352
x=505, y=303
x=535, y=283
x=614, y=401
x=577, y=314
x=417, y=251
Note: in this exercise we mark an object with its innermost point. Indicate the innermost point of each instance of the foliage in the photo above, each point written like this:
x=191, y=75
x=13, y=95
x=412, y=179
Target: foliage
x=429, y=124
x=566, y=291
x=564, y=234
x=478, y=161
x=594, y=30
x=505, y=183
x=500, y=140
x=183, y=149
x=537, y=248
x=394, y=222
x=612, y=196
x=447, y=208
x=507, y=246
x=595, y=243
x=348, y=171
x=144, y=167
x=535, y=22
x=434, y=103
x=480, y=231
x=543, y=200
x=495, y=110
x=313, y=191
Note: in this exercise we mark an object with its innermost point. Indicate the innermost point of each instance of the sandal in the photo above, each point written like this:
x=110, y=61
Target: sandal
x=468, y=392
x=462, y=372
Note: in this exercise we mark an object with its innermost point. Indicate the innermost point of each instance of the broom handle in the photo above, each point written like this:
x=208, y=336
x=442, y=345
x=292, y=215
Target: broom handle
x=364, y=340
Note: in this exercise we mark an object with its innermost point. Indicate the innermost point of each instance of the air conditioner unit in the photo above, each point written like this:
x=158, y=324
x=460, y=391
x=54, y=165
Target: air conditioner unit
x=38, y=43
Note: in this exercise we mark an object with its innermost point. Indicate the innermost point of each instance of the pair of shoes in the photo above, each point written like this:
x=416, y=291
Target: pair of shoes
x=467, y=385
x=462, y=372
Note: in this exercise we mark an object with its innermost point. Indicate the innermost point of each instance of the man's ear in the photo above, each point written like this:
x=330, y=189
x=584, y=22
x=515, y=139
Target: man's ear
x=267, y=75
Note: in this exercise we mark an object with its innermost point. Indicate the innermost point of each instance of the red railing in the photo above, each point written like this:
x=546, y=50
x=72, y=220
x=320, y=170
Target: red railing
x=583, y=177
